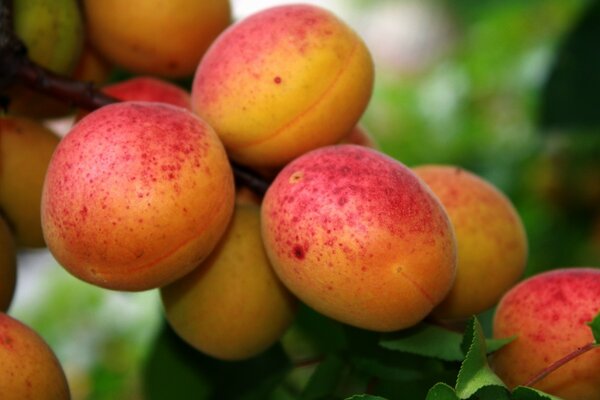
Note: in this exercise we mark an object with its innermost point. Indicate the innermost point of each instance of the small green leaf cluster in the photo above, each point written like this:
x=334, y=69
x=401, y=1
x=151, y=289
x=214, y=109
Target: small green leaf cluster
x=322, y=359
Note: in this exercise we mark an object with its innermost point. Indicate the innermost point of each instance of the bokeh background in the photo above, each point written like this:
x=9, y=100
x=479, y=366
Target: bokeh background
x=508, y=89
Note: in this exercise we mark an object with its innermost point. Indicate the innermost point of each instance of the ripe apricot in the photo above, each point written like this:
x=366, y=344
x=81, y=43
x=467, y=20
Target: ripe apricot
x=283, y=81
x=358, y=237
x=29, y=368
x=26, y=147
x=360, y=136
x=147, y=88
x=137, y=194
x=232, y=306
x=491, y=239
x=548, y=313
x=165, y=38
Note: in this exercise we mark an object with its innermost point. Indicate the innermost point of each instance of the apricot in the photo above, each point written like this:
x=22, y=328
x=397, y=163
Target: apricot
x=147, y=88
x=155, y=37
x=232, y=306
x=360, y=136
x=92, y=67
x=359, y=238
x=29, y=368
x=548, y=312
x=8, y=266
x=137, y=194
x=26, y=147
x=491, y=239
x=281, y=82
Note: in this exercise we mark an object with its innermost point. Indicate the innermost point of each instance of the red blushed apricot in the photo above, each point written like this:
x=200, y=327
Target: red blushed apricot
x=165, y=38
x=358, y=237
x=137, y=194
x=147, y=88
x=281, y=82
x=548, y=314
x=491, y=239
x=232, y=306
x=29, y=368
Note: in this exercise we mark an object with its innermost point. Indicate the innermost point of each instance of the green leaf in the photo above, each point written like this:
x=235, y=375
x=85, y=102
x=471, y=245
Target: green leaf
x=325, y=379
x=175, y=370
x=441, y=391
x=595, y=326
x=323, y=333
x=475, y=373
x=434, y=341
x=389, y=371
x=493, y=345
x=364, y=397
x=527, y=393
x=426, y=340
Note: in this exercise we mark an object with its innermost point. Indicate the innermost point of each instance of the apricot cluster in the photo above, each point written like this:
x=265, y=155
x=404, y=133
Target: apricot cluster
x=141, y=195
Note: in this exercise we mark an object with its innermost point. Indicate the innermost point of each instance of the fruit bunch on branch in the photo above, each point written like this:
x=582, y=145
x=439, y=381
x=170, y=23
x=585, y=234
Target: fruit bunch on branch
x=147, y=192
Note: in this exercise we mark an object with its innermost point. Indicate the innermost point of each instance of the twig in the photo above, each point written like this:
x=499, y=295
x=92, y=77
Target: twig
x=16, y=66
x=559, y=363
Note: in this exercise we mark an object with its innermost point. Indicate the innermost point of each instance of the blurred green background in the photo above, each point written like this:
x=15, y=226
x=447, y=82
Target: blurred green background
x=507, y=89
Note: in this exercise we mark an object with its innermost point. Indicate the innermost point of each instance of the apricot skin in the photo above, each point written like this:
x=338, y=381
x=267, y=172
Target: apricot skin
x=147, y=88
x=491, y=239
x=232, y=306
x=136, y=195
x=28, y=367
x=360, y=136
x=8, y=266
x=282, y=82
x=549, y=312
x=358, y=237
x=165, y=38
x=26, y=147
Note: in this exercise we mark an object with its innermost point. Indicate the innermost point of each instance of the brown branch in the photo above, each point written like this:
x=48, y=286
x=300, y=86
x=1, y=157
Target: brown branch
x=16, y=66
x=78, y=93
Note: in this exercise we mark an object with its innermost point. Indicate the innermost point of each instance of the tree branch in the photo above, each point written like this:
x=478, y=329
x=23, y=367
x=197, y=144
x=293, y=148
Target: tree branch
x=16, y=66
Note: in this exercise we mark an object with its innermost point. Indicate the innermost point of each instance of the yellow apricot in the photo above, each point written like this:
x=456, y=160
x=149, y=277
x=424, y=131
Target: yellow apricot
x=491, y=239
x=232, y=306
x=283, y=81
x=26, y=147
x=165, y=38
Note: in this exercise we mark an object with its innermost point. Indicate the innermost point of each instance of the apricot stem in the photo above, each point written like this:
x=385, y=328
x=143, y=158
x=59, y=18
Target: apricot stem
x=559, y=363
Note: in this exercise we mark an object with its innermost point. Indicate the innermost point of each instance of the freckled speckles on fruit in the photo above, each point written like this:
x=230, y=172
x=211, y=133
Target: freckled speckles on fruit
x=136, y=195
x=549, y=312
x=274, y=85
x=28, y=367
x=338, y=236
